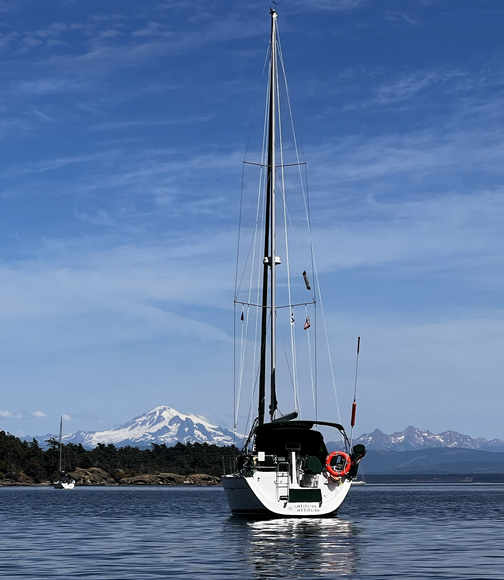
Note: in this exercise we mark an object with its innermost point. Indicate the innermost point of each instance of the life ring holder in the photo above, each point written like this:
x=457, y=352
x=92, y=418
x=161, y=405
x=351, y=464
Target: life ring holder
x=346, y=468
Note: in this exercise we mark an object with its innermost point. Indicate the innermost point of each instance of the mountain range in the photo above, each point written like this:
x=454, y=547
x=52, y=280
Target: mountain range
x=161, y=425
x=412, y=439
x=166, y=425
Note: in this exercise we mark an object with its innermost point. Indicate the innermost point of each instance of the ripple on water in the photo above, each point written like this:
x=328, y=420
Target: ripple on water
x=382, y=532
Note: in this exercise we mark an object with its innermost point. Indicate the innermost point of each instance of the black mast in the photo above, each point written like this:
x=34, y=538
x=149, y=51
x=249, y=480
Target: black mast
x=270, y=260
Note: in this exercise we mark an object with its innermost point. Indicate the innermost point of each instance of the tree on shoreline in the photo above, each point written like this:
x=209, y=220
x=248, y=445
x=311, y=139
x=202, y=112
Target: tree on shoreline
x=21, y=458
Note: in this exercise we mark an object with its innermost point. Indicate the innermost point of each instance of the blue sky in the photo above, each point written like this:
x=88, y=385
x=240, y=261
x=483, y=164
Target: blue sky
x=123, y=127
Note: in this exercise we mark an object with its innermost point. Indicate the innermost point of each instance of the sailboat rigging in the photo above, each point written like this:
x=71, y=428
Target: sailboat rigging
x=284, y=468
x=65, y=480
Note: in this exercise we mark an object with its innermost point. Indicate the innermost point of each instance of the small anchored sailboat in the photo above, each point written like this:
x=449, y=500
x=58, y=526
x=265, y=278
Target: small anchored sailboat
x=284, y=469
x=65, y=480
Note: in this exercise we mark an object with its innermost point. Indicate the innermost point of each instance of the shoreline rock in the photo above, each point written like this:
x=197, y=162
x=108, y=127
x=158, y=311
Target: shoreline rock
x=150, y=479
x=197, y=479
x=91, y=476
x=202, y=479
x=94, y=476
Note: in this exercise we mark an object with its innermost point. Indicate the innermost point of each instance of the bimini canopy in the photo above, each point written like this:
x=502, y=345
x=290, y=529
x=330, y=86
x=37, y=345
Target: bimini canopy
x=276, y=438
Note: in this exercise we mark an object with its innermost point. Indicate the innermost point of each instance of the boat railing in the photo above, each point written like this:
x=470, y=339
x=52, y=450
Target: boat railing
x=229, y=464
x=282, y=480
x=269, y=463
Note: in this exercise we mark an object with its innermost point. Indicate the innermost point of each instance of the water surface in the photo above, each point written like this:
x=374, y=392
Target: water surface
x=381, y=532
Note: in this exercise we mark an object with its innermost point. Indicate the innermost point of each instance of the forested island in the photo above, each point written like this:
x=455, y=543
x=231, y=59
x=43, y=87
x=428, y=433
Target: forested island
x=26, y=463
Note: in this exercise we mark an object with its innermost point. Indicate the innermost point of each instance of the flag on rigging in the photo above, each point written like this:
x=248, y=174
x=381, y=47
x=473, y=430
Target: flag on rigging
x=307, y=323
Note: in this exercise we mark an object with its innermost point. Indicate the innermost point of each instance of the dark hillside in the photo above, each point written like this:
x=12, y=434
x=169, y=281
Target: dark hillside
x=26, y=461
x=433, y=461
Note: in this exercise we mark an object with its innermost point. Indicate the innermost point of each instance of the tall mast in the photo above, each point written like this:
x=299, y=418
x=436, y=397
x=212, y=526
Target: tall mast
x=61, y=432
x=269, y=237
x=272, y=188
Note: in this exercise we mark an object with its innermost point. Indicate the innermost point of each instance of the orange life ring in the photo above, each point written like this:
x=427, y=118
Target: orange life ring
x=345, y=470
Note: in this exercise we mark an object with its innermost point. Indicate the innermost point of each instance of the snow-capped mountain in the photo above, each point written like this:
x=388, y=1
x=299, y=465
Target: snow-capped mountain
x=412, y=438
x=161, y=425
x=168, y=426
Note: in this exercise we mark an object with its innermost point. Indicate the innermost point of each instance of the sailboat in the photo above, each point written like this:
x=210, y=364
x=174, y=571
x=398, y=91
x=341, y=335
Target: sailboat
x=65, y=480
x=284, y=468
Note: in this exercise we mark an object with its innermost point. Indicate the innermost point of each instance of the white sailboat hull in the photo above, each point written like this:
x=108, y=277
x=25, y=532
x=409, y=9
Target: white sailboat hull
x=64, y=485
x=264, y=493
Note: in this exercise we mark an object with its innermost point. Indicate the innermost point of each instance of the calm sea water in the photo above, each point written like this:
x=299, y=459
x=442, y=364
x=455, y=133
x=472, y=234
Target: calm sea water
x=381, y=532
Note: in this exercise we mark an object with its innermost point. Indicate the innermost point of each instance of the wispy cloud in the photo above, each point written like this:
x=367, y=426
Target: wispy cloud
x=100, y=17
x=45, y=86
x=7, y=39
x=428, y=235
x=149, y=123
x=153, y=29
x=121, y=171
x=139, y=283
x=101, y=217
x=88, y=416
x=22, y=415
x=14, y=124
x=48, y=165
x=308, y=5
x=53, y=30
x=410, y=85
x=404, y=17
x=38, y=414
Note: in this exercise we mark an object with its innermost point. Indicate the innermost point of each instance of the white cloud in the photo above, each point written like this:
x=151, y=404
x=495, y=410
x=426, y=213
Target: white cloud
x=100, y=218
x=124, y=294
x=38, y=414
x=430, y=234
x=22, y=415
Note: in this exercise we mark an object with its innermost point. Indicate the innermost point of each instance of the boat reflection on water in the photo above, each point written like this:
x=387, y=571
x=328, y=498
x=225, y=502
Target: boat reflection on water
x=298, y=548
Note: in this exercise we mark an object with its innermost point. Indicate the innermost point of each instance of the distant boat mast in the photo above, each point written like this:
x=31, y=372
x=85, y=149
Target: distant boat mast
x=60, y=445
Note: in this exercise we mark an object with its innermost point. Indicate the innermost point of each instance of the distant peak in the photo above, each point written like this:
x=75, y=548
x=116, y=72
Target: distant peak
x=161, y=409
x=161, y=425
x=413, y=438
